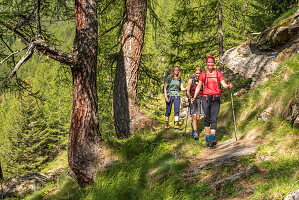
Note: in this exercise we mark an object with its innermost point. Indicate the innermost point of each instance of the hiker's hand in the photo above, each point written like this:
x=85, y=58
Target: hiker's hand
x=167, y=100
x=192, y=100
x=230, y=85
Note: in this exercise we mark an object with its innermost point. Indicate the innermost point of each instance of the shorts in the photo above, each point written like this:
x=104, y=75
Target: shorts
x=196, y=107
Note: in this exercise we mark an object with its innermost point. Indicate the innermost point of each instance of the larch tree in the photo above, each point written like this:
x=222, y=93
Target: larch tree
x=1, y=173
x=85, y=146
x=220, y=29
x=127, y=115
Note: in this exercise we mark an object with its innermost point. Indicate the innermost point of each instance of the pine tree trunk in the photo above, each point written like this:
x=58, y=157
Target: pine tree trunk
x=220, y=32
x=127, y=115
x=85, y=152
x=1, y=173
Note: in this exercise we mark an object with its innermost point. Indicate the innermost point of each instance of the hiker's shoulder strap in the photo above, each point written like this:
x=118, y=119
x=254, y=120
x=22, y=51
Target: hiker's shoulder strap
x=206, y=76
x=167, y=79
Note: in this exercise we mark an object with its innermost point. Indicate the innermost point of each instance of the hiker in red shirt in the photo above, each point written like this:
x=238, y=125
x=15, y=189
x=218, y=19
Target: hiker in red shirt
x=211, y=98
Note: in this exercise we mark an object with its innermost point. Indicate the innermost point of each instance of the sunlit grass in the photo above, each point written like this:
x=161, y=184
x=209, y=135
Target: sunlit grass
x=151, y=162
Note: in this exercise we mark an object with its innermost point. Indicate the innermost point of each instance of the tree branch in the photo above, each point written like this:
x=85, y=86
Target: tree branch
x=8, y=26
x=27, y=55
x=113, y=27
x=102, y=11
x=61, y=56
x=37, y=19
x=12, y=55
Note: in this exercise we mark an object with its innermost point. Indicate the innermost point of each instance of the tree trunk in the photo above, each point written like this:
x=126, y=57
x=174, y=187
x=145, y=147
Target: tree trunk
x=1, y=173
x=127, y=115
x=220, y=32
x=85, y=152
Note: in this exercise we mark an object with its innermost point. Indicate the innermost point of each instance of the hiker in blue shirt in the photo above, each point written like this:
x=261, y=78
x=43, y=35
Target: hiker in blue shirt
x=173, y=86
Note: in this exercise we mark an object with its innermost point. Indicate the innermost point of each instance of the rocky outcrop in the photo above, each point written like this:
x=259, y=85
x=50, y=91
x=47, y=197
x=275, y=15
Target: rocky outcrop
x=21, y=186
x=293, y=195
x=259, y=57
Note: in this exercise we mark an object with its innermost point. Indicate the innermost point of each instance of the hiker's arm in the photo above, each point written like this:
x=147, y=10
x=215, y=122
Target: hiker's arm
x=165, y=92
x=197, y=90
x=226, y=86
x=188, y=88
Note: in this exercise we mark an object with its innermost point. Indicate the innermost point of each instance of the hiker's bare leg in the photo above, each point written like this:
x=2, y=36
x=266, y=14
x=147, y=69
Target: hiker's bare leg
x=213, y=131
x=194, y=122
x=167, y=119
x=207, y=130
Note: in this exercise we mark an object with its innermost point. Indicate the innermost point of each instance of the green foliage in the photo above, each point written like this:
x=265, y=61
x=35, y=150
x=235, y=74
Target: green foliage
x=265, y=12
x=30, y=141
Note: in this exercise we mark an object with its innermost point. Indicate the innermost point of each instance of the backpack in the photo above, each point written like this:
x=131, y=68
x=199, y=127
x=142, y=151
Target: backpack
x=167, y=89
x=206, y=78
x=193, y=82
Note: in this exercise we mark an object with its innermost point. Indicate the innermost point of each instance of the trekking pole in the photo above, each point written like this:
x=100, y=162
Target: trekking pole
x=187, y=118
x=231, y=95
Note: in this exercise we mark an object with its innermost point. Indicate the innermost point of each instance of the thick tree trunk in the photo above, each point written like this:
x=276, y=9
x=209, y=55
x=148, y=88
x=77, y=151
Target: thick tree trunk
x=85, y=151
x=127, y=115
x=220, y=32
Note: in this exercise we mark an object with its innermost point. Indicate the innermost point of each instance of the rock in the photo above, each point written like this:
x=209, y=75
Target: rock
x=294, y=112
x=282, y=34
x=249, y=191
x=234, y=177
x=226, y=154
x=296, y=122
x=266, y=114
x=293, y=195
x=184, y=108
x=251, y=59
x=21, y=186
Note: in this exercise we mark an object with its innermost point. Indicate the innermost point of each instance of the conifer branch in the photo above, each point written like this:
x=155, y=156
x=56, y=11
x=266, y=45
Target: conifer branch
x=37, y=19
x=12, y=55
x=27, y=55
x=10, y=27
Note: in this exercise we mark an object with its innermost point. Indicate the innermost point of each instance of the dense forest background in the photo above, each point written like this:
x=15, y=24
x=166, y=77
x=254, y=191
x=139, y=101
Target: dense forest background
x=35, y=107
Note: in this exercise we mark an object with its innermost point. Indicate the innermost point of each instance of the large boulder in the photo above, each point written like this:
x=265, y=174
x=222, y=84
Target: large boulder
x=259, y=57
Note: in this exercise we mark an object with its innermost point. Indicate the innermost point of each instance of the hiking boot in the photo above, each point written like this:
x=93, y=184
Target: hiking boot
x=176, y=125
x=208, y=140
x=192, y=133
x=195, y=135
x=213, y=141
x=167, y=125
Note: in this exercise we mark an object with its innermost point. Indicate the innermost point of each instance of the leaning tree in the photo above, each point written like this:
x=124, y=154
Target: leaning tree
x=85, y=145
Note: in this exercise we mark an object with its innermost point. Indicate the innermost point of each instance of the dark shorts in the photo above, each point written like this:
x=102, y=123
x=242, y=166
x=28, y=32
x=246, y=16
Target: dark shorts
x=196, y=107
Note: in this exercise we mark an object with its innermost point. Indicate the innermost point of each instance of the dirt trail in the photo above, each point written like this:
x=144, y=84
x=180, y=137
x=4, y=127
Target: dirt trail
x=226, y=153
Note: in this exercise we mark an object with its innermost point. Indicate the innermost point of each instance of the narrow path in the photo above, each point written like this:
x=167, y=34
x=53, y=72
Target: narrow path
x=226, y=153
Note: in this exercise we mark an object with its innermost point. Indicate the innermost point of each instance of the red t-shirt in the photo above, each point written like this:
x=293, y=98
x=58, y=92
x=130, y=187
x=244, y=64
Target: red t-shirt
x=212, y=88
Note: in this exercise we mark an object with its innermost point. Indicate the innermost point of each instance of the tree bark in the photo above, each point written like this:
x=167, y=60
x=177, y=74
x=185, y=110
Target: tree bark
x=85, y=152
x=1, y=173
x=220, y=32
x=127, y=115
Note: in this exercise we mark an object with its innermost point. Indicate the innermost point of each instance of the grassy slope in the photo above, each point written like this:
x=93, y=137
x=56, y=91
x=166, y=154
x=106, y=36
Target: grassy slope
x=151, y=161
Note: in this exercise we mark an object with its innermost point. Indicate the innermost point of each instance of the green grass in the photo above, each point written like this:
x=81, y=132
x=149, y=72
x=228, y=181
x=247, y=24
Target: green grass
x=286, y=15
x=151, y=161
